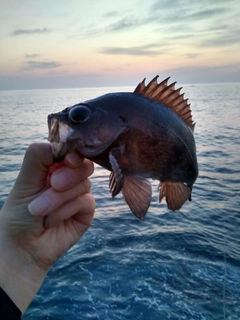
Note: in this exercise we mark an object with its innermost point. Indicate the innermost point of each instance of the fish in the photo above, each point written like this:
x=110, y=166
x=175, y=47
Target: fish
x=138, y=136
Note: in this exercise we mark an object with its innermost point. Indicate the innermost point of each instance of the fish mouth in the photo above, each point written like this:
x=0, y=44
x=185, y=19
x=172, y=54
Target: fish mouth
x=62, y=139
x=58, y=135
x=58, y=131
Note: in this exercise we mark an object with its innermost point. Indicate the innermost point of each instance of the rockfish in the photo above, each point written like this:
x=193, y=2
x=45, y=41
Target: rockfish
x=136, y=136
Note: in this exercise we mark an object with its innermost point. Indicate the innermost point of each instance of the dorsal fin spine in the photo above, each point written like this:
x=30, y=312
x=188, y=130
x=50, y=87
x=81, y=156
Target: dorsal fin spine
x=160, y=87
x=149, y=88
x=172, y=95
x=168, y=96
x=186, y=112
x=176, y=101
x=178, y=107
x=140, y=87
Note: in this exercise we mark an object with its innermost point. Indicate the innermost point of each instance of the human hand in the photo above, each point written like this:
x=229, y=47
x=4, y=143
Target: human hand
x=58, y=196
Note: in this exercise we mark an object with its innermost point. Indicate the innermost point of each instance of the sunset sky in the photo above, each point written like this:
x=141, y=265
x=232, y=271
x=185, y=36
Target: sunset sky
x=79, y=43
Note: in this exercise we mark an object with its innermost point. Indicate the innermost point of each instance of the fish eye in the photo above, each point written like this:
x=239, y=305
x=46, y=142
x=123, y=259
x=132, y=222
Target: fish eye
x=79, y=114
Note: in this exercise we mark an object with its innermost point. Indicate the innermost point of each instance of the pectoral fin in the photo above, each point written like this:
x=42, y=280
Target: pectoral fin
x=116, y=178
x=137, y=193
x=176, y=193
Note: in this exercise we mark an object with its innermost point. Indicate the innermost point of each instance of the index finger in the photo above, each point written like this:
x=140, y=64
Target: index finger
x=64, y=178
x=71, y=160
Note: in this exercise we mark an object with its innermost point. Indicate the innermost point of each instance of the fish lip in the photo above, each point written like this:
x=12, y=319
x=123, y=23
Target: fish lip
x=58, y=131
x=58, y=135
x=52, y=129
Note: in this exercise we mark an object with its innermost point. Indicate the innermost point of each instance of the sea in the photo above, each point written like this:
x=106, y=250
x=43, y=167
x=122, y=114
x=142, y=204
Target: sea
x=173, y=265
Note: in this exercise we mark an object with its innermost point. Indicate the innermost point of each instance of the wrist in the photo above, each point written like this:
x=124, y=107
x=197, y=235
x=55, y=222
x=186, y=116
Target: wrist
x=20, y=277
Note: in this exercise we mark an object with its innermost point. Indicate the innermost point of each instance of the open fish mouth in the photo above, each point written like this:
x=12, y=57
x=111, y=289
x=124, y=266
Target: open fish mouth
x=58, y=135
x=58, y=131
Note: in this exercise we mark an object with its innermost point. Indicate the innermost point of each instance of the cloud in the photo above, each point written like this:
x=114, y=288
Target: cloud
x=20, y=32
x=31, y=56
x=207, y=24
x=205, y=14
x=186, y=6
x=189, y=11
x=127, y=23
x=192, y=55
x=146, y=50
x=172, y=20
x=187, y=15
x=30, y=65
x=122, y=24
x=226, y=38
x=111, y=14
x=190, y=75
x=24, y=81
x=204, y=74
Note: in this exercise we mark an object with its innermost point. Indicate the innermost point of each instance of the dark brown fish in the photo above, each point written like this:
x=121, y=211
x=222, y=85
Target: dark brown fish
x=136, y=136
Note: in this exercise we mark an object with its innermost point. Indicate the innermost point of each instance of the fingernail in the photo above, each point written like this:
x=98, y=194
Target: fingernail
x=39, y=205
x=61, y=180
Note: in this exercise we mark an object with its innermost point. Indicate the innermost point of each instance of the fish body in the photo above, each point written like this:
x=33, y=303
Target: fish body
x=136, y=136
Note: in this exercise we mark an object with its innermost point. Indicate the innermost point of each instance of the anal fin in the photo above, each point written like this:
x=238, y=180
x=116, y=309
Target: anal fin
x=176, y=193
x=137, y=193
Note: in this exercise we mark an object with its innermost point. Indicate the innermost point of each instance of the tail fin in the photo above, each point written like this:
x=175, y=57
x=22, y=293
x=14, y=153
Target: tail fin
x=176, y=193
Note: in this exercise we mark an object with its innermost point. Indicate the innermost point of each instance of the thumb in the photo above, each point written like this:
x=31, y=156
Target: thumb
x=35, y=169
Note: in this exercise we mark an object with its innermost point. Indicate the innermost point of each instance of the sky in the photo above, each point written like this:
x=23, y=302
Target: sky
x=80, y=43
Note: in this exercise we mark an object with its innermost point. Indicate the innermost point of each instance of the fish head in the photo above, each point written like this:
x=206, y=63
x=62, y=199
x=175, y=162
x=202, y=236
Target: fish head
x=81, y=127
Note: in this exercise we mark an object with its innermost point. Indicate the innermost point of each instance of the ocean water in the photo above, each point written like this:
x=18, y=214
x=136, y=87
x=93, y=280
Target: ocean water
x=174, y=265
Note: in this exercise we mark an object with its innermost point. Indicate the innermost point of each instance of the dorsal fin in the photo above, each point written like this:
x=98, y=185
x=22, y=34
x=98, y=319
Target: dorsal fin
x=168, y=96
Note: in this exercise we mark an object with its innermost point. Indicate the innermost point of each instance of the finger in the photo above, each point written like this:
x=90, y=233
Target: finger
x=34, y=171
x=80, y=209
x=73, y=159
x=50, y=200
x=65, y=178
